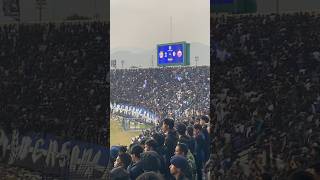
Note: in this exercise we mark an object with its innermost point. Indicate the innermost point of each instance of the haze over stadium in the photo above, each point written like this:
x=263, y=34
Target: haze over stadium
x=137, y=27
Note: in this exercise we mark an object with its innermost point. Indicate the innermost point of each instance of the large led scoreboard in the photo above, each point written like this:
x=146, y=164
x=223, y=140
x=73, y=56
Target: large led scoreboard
x=173, y=54
x=233, y=6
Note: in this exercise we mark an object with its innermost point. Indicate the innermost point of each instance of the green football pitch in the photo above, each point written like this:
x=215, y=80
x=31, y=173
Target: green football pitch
x=120, y=137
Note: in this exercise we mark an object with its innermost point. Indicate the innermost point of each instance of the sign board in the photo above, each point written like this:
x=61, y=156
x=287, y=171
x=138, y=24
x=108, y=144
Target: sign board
x=172, y=54
x=51, y=155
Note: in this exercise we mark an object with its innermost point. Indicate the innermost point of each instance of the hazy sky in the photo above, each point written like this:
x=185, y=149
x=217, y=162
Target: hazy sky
x=145, y=23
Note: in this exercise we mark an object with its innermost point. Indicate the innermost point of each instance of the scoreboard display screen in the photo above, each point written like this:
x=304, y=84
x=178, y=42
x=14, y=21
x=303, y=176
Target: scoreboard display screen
x=173, y=54
x=221, y=1
x=233, y=6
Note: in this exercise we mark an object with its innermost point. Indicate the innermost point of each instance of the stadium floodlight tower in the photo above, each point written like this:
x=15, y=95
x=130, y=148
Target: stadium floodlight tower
x=122, y=62
x=196, y=58
x=173, y=53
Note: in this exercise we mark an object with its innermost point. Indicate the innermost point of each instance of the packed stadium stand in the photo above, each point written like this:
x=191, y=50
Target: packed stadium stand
x=179, y=96
x=53, y=82
x=47, y=72
x=266, y=98
x=182, y=91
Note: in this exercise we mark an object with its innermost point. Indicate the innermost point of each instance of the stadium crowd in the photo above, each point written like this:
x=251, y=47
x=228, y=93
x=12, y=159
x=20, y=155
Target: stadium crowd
x=14, y=173
x=178, y=147
x=178, y=91
x=265, y=96
x=53, y=79
x=176, y=150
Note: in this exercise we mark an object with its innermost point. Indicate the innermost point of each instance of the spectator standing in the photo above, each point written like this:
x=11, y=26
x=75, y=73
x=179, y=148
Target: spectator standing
x=136, y=167
x=179, y=167
x=182, y=150
x=120, y=167
x=199, y=150
x=171, y=139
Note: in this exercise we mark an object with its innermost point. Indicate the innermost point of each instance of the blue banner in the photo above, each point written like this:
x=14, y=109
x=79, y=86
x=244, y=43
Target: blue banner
x=130, y=111
x=50, y=155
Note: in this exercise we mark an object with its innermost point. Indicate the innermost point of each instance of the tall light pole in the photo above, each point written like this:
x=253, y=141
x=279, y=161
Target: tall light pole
x=40, y=5
x=122, y=62
x=170, y=28
x=277, y=6
x=152, y=61
x=196, y=58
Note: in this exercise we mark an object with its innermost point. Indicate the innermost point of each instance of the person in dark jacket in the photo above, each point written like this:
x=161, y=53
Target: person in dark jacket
x=150, y=176
x=179, y=167
x=183, y=137
x=151, y=146
x=192, y=141
x=199, y=150
x=120, y=167
x=204, y=120
x=171, y=137
x=171, y=140
x=159, y=138
x=135, y=168
x=123, y=160
x=119, y=173
x=151, y=162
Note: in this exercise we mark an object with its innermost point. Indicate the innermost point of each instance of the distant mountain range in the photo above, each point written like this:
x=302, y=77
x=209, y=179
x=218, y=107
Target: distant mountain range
x=143, y=58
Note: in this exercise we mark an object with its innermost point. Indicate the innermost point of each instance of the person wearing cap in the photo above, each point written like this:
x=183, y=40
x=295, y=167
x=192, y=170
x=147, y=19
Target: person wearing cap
x=182, y=150
x=135, y=168
x=114, y=151
x=179, y=167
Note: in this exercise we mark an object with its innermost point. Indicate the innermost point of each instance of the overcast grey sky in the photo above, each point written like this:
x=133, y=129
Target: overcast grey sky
x=145, y=23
